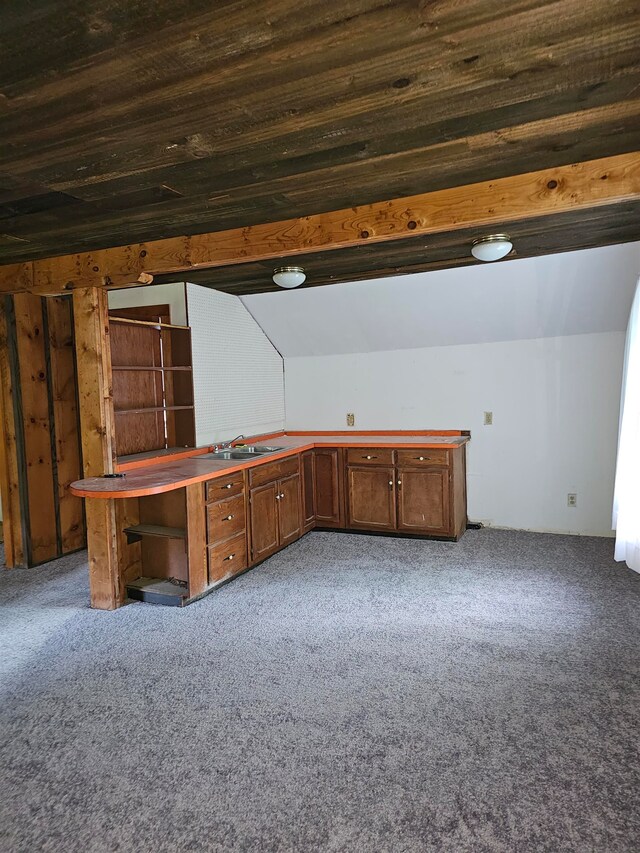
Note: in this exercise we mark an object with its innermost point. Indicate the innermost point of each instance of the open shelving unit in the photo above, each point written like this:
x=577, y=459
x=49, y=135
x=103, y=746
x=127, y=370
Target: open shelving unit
x=152, y=385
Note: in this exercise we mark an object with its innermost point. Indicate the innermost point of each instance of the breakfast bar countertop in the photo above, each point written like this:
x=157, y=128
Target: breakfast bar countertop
x=194, y=465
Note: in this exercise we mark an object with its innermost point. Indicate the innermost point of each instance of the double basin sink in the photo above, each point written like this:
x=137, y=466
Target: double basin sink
x=242, y=452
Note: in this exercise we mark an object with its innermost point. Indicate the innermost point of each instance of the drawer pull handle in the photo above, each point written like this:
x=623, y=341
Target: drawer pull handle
x=369, y=457
x=230, y=557
x=421, y=458
x=228, y=486
x=228, y=518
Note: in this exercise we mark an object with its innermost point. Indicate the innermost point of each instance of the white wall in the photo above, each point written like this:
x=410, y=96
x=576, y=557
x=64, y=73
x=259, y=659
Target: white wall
x=237, y=373
x=172, y=295
x=555, y=411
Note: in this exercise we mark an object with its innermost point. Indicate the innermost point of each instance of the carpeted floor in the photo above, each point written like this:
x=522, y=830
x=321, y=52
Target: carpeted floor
x=353, y=693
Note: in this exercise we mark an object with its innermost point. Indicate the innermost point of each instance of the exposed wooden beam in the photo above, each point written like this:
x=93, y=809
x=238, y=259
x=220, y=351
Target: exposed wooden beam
x=93, y=356
x=485, y=205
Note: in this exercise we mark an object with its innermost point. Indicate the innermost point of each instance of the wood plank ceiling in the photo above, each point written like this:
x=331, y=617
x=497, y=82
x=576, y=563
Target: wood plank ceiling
x=125, y=120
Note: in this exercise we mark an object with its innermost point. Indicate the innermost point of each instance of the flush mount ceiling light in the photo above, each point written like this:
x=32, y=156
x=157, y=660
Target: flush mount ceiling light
x=289, y=276
x=491, y=248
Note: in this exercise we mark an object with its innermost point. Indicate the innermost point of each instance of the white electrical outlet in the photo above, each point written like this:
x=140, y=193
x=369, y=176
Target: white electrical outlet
x=572, y=499
x=351, y=419
x=488, y=418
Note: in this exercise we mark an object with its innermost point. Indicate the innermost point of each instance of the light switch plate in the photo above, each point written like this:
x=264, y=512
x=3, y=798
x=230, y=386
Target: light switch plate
x=488, y=418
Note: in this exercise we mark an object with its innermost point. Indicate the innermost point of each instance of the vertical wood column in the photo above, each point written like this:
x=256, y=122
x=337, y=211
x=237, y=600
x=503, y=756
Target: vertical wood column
x=196, y=539
x=9, y=478
x=93, y=357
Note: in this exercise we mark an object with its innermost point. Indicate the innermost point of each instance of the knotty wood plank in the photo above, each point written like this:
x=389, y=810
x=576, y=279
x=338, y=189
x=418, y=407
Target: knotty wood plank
x=37, y=428
x=576, y=187
x=66, y=420
x=93, y=359
x=9, y=480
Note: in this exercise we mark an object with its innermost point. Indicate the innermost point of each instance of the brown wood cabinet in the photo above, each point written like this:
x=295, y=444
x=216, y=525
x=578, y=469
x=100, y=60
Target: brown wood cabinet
x=307, y=469
x=372, y=498
x=328, y=487
x=275, y=511
x=423, y=501
x=226, y=512
x=423, y=493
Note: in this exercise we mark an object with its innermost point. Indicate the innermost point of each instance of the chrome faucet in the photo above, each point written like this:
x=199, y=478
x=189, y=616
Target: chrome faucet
x=225, y=445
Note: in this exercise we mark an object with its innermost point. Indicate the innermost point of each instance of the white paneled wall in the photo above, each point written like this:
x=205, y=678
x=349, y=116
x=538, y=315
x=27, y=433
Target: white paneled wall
x=237, y=372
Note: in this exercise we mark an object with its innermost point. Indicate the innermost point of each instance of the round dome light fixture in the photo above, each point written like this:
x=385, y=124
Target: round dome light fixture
x=289, y=276
x=493, y=247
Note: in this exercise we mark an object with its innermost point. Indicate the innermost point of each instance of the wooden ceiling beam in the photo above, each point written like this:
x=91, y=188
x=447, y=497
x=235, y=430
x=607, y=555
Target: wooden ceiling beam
x=485, y=206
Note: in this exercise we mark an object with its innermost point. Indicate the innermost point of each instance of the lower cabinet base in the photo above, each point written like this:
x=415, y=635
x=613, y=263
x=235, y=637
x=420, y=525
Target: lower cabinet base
x=390, y=534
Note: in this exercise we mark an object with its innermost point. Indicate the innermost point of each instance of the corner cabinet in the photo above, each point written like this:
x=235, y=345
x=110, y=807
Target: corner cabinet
x=275, y=507
x=414, y=491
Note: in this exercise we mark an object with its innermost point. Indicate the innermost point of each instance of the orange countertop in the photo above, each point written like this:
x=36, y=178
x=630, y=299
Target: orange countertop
x=154, y=479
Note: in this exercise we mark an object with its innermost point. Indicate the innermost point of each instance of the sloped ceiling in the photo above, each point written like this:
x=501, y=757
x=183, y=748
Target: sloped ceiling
x=565, y=294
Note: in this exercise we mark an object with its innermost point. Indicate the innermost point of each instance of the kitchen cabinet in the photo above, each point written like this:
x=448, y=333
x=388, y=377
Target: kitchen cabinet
x=423, y=501
x=423, y=492
x=226, y=515
x=275, y=508
x=307, y=468
x=372, y=498
x=328, y=487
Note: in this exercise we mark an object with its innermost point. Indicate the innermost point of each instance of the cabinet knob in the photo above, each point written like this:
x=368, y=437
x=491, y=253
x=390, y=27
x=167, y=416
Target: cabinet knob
x=369, y=457
x=230, y=557
x=228, y=518
x=278, y=497
x=421, y=458
x=391, y=482
x=399, y=482
x=228, y=486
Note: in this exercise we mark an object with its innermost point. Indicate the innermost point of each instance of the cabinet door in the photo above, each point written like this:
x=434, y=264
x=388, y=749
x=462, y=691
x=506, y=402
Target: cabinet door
x=289, y=515
x=308, y=490
x=263, y=512
x=328, y=488
x=423, y=501
x=372, y=498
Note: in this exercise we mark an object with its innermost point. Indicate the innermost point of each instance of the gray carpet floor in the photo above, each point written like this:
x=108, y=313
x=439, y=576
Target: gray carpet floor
x=353, y=693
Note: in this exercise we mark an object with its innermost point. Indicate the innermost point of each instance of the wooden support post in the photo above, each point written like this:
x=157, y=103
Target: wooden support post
x=93, y=356
x=196, y=539
x=9, y=480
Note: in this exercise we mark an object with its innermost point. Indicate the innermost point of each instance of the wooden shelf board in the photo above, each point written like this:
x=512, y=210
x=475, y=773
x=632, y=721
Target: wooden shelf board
x=143, y=410
x=142, y=367
x=157, y=530
x=148, y=323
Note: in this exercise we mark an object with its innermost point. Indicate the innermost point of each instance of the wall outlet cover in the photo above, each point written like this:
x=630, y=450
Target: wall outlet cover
x=572, y=499
x=488, y=418
x=351, y=419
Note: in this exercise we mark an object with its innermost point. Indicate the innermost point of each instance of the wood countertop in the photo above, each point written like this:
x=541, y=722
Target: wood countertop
x=153, y=479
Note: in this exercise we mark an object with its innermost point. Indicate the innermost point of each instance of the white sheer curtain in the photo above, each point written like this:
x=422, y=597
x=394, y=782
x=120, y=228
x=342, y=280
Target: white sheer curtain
x=626, y=501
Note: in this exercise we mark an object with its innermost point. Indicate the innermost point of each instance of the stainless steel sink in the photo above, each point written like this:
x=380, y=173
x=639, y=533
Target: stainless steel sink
x=241, y=452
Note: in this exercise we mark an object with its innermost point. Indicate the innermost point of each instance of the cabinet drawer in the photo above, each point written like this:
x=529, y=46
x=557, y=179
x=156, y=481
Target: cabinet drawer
x=370, y=456
x=228, y=558
x=274, y=471
x=225, y=518
x=224, y=487
x=419, y=458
